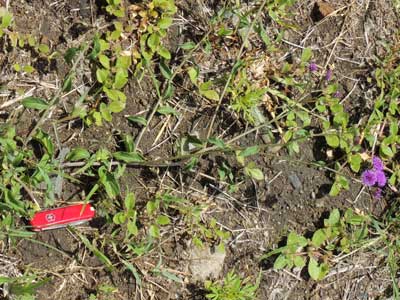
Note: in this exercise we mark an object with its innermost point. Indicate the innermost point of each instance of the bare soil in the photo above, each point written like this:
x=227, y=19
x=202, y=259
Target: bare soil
x=294, y=195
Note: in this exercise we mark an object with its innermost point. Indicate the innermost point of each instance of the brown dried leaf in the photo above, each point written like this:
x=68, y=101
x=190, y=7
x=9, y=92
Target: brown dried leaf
x=325, y=8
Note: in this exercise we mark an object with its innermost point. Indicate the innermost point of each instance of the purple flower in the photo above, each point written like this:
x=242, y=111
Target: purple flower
x=378, y=193
x=313, y=67
x=337, y=94
x=328, y=75
x=377, y=163
x=380, y=178
x=368, y=177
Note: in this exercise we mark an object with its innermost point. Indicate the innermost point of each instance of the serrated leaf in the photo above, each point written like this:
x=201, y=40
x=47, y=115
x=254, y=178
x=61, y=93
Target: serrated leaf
x=35, y=103
x=128, y=157
x=138, y=120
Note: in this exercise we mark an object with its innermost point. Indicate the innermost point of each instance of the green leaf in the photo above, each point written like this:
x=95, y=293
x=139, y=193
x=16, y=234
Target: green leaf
x=335, y=190
x=45, y=140
x=130, y=201
x=165, y=70
x=121, y=78
x=163, y=52
x=116, y=106
x=210, y=94
x=70, y=54
x=193, y=75
x=154, y=231
x=102, y=75
x=6, y=20
x=249, y=151
x=334, y=218
x=102, y=257
x=109, y=182
x=306, y=55
x=319, y=237
x=314, y=269
x=254, y=172
x=167, y=110
x=128, y=157
x=386, y=150
x=332, y=140
x=35, y=103
x=119, y=218
x=105, y=61
x=299, y=261
x=153, y=41
x=217, y=142
x=280, y=262
x=132, y=228
x=317, y=272
x=171, y=276
x=43, y=48
x=17, y=67
x=138, y=120
x=134, y=271
x=164, y=22
x=163, y=220
x=355, y=162
x=187, y=46
x=297, y=240
x=123, y=62
x=67, y=85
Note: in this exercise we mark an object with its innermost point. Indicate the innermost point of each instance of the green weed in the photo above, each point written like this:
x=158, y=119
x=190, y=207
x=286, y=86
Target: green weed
x=232, y=288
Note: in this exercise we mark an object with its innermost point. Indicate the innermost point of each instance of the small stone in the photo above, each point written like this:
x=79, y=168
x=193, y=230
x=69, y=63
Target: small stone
x=205, y=264
x=295, y=181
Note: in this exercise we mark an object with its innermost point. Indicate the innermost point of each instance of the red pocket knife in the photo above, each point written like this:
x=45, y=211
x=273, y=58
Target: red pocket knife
x=62, y=217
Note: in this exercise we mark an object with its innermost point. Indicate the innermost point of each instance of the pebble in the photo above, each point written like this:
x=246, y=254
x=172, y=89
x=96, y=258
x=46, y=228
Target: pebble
x=295, y=181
